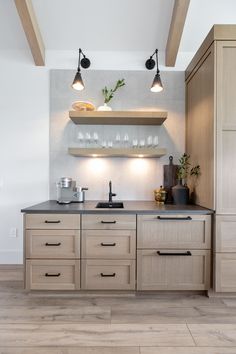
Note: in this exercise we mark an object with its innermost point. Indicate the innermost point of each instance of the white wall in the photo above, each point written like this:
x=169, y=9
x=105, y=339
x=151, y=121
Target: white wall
x=24, y=156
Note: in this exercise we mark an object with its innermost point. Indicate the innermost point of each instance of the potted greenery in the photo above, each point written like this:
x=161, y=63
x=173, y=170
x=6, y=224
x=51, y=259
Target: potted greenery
x=108, y=95
x=180, y=192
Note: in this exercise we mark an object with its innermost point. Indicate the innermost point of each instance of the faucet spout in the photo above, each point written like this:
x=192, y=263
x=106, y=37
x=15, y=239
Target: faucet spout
x=110, y=192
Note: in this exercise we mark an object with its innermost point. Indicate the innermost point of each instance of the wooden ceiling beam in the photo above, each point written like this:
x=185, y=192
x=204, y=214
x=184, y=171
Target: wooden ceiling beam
x=176, y=29
x=31, y=29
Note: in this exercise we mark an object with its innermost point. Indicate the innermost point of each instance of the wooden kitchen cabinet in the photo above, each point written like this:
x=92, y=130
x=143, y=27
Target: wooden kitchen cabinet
x=52, y=251
x=211, y=139
x=104, y=274
x=165, y=269
x=174, y=231
x=107, y=244
x=174, y=252
x=108, y=252
x=44, y=274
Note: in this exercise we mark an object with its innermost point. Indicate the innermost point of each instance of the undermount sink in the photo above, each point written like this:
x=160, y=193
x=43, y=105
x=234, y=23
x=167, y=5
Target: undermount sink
x=108, y=205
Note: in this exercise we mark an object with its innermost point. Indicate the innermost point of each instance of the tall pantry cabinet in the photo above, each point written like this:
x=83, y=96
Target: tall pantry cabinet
x=211, y=142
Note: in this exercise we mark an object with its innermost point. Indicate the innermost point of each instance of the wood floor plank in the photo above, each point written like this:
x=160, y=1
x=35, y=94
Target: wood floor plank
x=88, y=335
x=207, y=314
x=77, y=350
x=146, y=313
x=184, y=350
x=215, y=335
x=56, y=314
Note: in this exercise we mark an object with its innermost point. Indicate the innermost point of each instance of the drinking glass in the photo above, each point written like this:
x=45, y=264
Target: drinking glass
x=88, y=139
x=126, y=140
x=135, y=143
x=155, y=141
x=80, y=138
x=95, y=138
x=149, y=141
x=117, y=140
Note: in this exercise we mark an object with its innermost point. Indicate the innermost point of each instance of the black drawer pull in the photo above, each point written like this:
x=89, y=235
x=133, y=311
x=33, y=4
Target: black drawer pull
x=174, y=218
x=108, y=275
x=108, y=222
x=52, y=221
x=53, y=244
x=188, y=253
x=108, y=244
x=52, y=275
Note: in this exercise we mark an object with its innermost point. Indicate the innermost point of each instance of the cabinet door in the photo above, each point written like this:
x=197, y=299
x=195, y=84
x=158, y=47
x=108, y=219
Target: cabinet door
x=226, y=127
x=173, y=270
x=44, y=274
x=200, y=131
x=108, y=222
x=225, y=233
x=52, y=244
x=108, y=274
x=109, y=244
x=225, y=272
x=52, y=221
x=174, y=231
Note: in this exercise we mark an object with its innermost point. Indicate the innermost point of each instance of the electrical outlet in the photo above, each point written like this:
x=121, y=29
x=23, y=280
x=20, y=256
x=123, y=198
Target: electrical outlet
x=13, y=232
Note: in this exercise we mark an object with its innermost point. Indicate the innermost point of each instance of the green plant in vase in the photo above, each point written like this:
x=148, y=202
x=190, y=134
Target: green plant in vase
x=181, y=191
x=108, y=94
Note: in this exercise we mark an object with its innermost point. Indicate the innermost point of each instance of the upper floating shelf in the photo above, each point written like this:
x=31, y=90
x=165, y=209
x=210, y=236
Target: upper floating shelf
x=118, y=117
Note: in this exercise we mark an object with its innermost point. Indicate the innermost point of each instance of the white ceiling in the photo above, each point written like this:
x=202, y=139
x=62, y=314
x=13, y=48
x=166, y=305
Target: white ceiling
x=113, y=25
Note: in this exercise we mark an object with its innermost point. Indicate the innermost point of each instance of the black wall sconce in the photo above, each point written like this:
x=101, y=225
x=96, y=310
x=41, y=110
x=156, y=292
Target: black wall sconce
x=78, y=81
x=150, y=64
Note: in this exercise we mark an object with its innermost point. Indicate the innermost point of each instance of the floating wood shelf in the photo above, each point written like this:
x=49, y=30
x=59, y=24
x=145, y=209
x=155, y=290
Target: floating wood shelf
x=118, y=117
x=116, y=152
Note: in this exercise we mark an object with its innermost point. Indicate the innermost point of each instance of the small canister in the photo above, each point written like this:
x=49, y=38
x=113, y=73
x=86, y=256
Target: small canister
x=160, y=195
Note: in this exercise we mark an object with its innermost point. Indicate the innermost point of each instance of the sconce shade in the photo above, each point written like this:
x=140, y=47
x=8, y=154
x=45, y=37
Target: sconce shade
x=157, y=84
x=78, y=82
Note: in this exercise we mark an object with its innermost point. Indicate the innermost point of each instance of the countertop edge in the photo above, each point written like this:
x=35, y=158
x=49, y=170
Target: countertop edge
x=51, y=207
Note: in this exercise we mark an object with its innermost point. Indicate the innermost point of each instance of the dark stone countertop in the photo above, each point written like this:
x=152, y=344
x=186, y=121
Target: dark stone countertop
x=130, y=207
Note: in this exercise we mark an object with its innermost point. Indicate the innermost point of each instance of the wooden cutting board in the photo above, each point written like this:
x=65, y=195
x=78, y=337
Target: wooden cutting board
x=170, y=178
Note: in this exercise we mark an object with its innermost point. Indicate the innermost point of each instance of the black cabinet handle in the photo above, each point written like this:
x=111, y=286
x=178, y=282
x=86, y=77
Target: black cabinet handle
x=188, y=253
x=108, y=222
x=108, y=275
x=53, y=244
x=174, y=218
x=52, y=275
x=52, y=221
x=108, y=244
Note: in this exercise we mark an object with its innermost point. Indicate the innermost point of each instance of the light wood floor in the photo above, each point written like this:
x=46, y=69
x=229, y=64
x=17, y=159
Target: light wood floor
x=32, y=323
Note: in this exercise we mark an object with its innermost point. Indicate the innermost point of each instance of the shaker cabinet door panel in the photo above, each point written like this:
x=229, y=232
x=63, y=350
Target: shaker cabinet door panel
x=174, y=231
x=173, y=270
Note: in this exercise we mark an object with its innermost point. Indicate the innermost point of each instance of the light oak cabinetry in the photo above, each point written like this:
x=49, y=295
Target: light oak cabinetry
x=173, y=252
x=211, y=141
x=52, y=248
x=108, y=252
x=98, y=251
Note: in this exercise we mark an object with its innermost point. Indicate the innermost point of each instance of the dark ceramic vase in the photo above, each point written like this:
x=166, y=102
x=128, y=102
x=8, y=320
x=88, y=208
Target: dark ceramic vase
x=180, y=193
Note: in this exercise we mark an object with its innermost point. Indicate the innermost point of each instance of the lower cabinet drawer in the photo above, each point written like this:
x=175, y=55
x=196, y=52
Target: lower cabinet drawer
x=173, y=270
x=225, y=272
x=52, y=274
x=109, y=244
x=52, y=244
x=52, y=221
x=108, y=275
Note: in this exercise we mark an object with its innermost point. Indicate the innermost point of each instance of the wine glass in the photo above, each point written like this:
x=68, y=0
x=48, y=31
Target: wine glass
x=126, y=140
x=80, y=138
x=117, y=140
x=155, y=141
